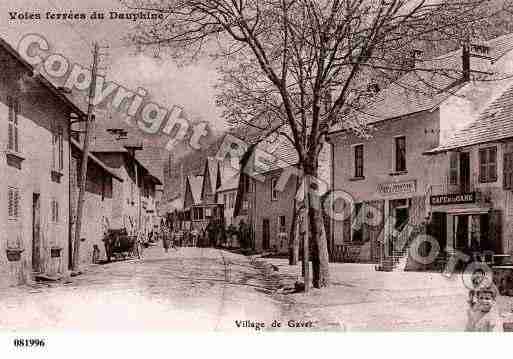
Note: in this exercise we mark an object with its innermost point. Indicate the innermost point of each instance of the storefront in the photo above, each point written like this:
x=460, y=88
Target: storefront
x=462, y=224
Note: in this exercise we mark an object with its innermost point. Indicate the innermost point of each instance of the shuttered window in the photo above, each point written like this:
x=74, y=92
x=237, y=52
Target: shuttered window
x=274, y=190
x=55, y=210
x=12, y=129
x=453, y=168
x=13, y=210
x=488, y=164
x=57, y=149
x=358, y=161
x=508, y=170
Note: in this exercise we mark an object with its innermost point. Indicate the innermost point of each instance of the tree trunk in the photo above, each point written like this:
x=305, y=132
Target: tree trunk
x=319, y=245
x=294, y=233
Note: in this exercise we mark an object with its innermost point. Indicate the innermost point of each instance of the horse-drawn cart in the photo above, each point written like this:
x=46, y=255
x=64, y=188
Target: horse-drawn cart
x=119, y=244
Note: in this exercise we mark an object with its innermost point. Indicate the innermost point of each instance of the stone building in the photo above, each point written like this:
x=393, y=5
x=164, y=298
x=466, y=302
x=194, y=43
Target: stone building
x=34, y=171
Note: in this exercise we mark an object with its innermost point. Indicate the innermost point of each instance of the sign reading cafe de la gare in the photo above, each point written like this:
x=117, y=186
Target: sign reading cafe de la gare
x=453, y=198
x=397, y=187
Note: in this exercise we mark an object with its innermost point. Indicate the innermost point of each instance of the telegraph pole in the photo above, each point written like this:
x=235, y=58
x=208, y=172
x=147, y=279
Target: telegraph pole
x=85, y=157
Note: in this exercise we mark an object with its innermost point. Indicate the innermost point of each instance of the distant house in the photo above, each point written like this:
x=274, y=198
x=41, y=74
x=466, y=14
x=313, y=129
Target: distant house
x=211, y=180
x=260, y=201
x=226, y=195
x=34, y=167
x=134, y=198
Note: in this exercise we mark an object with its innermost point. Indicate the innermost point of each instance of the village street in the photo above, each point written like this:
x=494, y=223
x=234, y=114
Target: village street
x=210, y=289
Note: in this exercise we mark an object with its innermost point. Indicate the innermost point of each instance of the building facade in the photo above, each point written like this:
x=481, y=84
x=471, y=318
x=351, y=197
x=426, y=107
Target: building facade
x=398, y=176
x=34, y=169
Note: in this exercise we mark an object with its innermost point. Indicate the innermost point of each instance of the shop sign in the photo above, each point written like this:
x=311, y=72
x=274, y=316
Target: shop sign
x=397, y=187
x=453, y=198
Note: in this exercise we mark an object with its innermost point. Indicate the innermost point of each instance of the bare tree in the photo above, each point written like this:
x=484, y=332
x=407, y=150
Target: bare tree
x=298, y=67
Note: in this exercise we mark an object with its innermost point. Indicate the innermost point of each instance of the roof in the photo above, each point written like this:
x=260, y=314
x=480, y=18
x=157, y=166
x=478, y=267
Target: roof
x=195, y=184
x=149, y=158
x=493, y=124
x=270, y=155
x=213, y=168
x=231, y=183
x=44, y=81
x=419, y=91
x=92, y=157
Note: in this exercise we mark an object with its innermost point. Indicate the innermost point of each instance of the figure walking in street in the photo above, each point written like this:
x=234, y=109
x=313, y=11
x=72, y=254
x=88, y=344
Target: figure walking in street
x=166, y=237
x=139, y=242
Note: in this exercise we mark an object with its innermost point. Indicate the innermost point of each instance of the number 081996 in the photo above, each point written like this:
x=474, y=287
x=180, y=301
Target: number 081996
x=28, y=342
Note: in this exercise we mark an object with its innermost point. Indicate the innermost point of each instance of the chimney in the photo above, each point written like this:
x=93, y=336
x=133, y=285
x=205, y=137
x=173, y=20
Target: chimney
x=475, y=58
x=416, y=56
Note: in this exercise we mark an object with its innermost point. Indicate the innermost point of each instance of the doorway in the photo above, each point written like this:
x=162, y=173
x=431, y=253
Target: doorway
x=266, y=234
x=36, y=232
x=464, y=172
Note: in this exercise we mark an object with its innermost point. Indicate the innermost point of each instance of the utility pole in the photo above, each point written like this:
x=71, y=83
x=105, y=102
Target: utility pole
x=85, y=157
x=306, y=248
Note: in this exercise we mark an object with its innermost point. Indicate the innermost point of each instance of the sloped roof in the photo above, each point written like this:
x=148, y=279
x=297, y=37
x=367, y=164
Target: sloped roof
x=419, y=91
x=213, y=167
x=272, y=154
x=195, y=184
x=43, y=80
x=96, y=160
x=493, y=124
x=230, y=183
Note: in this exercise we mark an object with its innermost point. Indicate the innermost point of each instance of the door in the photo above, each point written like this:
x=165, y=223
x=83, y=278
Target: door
x=266, y=234
x=36, y=233
x=464, y=172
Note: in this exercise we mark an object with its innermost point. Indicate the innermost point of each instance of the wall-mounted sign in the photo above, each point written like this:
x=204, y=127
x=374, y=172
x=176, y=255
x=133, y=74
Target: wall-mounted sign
x=397, y=187
x=453, y=198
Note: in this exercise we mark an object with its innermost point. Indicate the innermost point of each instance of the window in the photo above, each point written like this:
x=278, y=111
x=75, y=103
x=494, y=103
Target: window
x=245, y=204
x=231, y=200
x=57, y=149
x=282, y=224
x=508, y=170
x=274, y=191
x=488, y=164
x=225, y=199
x=55, y=211
x=453, y=168
x=13, y=135
x=358, y=161
x=13, y=211
x=400, y=154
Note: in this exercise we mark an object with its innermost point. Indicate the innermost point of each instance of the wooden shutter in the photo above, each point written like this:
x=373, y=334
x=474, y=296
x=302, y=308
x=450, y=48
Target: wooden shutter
x=482, y=166
x=10, y=205
x=508, y=171
x=492, y=164
x=16, y=203
x=453, y=168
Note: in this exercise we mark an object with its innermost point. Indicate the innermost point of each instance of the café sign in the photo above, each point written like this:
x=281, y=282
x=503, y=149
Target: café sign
x=397, y=187
x=452, y=198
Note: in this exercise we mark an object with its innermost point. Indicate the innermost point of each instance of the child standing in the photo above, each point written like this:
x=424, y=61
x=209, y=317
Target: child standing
x=483, y=314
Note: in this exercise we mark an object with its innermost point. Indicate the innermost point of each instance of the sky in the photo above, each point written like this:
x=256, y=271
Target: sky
x=167, y=85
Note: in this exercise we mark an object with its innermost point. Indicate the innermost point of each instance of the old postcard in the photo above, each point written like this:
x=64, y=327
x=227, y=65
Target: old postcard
x=285, y=166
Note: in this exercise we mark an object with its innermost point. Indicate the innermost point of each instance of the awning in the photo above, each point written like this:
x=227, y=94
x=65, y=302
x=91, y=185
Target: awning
x=463, y=210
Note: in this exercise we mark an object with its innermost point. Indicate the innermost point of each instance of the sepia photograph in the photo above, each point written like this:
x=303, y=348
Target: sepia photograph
x=255, y=166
